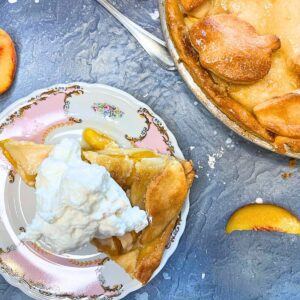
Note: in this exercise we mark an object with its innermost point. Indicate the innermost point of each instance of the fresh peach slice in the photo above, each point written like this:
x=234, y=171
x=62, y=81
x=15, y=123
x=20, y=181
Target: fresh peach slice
x=263, y=217
x=8, y=60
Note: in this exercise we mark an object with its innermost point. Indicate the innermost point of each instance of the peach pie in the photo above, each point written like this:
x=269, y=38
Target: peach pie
x=245, y=56
x=156, y=183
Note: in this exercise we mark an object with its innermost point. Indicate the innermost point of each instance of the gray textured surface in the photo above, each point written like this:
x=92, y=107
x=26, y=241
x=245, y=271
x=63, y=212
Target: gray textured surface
x=76, y=40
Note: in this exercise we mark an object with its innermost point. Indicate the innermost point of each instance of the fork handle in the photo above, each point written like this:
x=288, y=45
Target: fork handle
x=155, y=47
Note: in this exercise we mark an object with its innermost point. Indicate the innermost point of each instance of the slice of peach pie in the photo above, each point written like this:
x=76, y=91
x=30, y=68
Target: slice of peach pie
x=154, y=182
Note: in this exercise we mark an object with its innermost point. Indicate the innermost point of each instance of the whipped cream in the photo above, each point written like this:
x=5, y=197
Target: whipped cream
x=77, y=201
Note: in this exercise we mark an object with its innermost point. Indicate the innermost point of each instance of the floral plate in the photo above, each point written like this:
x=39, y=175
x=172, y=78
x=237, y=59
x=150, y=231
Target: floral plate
x=47, y=116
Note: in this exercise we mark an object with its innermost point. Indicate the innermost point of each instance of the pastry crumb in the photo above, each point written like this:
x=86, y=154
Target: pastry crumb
x=155, y=15
x=211, y=161
x=229, y=143
x=213, y=158
x=259, y=200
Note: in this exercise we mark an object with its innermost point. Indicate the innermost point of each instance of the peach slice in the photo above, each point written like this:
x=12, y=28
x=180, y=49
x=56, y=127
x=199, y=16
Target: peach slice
x=263, y=217
x=98, y=140
x=8, y=60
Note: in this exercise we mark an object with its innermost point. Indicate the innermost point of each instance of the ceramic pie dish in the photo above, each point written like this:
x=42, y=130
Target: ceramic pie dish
x=241, y=64
x=48, y=115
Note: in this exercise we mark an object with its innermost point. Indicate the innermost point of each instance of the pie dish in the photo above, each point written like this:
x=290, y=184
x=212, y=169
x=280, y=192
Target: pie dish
x=244, y=55
x=45, y=117
x=157, y=183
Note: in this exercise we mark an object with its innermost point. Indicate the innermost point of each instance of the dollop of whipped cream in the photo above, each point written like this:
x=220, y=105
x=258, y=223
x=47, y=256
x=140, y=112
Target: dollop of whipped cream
x=77, y=201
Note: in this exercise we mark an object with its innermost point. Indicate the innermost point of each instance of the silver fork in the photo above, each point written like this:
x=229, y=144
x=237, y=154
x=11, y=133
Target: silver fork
x=155, y=47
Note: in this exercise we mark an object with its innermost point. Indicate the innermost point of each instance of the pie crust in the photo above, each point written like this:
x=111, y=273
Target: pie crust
x=220, y=40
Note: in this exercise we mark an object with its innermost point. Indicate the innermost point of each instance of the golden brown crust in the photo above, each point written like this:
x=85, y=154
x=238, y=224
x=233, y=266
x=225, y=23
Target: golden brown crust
x=25, y=157
x=281, y=115
x=285, y=144
x=231, y=48
x=188, y=55
x=190, y=5
x=164, y=198
x=150, y=256
x=161, y=193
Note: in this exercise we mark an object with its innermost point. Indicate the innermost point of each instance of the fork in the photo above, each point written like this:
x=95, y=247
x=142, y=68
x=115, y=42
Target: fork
x=155, y=47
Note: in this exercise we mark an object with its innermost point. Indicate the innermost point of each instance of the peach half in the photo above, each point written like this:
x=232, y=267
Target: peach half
x=263, y=217
x=8, y=61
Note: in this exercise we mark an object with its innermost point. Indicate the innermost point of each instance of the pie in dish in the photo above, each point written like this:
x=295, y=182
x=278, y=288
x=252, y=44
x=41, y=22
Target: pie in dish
x=245, y=56
x=154, y=182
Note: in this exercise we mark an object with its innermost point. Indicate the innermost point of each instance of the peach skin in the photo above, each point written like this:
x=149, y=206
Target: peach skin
x=8, y=61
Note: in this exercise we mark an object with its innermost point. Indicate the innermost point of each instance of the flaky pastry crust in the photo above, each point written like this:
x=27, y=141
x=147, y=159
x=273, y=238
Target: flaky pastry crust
x=219, y=96
x=189, y=5
x=281, y=115
x=231, y=48
x=238, y=101
x=159, y=185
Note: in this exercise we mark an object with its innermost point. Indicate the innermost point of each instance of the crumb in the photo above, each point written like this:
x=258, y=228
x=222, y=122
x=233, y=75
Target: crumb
x=195, y=103
x=213, y=158
x=211, y=161
x=166, y=276
x=196, y=176
x=215, y=132
x=12, y=1
x=259, y=200
x=155, y=15
x=203, y=276
x=292, y=164
x=229, y=143
x=286, y=175
x=192, y=148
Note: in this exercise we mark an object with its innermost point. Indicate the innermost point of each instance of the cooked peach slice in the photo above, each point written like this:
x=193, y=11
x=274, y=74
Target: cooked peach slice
x=263, y=217
x=8, y=60
x=281, y=115
x=230, y=48
x=98, y=140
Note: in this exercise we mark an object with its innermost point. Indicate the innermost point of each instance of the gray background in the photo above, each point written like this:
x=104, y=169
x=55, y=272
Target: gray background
x=62, y=41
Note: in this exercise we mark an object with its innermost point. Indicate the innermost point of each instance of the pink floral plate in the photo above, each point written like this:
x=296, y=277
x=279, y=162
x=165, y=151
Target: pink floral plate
x=47, y=116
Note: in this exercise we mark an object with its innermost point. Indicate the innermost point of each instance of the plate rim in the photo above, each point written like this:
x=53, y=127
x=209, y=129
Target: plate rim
x=203, y=99
x=184, y=213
